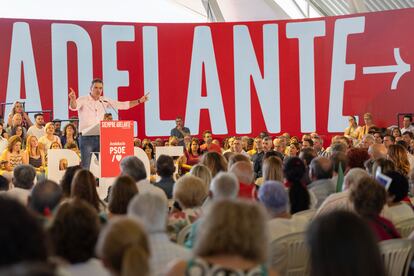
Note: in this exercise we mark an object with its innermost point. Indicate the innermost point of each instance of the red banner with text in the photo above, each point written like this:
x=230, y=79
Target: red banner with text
x=116, y=143
x=295, y=76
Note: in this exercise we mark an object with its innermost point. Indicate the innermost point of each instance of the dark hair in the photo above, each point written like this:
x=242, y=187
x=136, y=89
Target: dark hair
x=74, y=231
x=84, y=187
x=368, y=197
x=403, y=144
x=409, y=117
x=75, y=131
x=66, y=182
x=22, y=237
x=123, y=190
x=4, y=183
x=342, y=244
x=398, y=187
x=37, y=115
x=392, y=138
x=307, y=155
x=207, y=132
x=165, y=166
x=308, y=140
x=149, y=145
x=23, y=176
x=96, y=80
x=357, y=157
x=294, y=170
x=45, y=196
x=409, y=133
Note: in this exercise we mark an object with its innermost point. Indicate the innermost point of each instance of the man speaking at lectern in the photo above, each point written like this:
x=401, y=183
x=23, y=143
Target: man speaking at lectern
x=91, y=110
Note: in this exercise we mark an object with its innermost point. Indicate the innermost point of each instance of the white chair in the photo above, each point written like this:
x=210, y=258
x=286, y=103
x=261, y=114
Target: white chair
x=289, y=255
x=397, y=255
x=405, y=227
x=183, y=234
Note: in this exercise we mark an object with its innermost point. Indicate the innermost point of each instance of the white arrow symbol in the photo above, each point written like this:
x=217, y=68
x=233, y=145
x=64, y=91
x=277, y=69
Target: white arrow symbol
x=400, y=69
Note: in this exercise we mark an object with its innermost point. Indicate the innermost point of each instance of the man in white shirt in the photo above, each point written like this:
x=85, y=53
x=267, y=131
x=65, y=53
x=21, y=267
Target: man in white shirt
x=407, y=120
x=38, y=129
x=152, y=210
x=91, y=110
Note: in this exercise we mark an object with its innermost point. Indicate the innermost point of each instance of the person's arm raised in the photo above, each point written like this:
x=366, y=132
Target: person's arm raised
x=72, y=99
x=136, y=102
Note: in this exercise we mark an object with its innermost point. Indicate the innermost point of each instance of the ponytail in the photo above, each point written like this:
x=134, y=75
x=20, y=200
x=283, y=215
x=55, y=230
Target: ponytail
x=299, y=197
x=135, y=261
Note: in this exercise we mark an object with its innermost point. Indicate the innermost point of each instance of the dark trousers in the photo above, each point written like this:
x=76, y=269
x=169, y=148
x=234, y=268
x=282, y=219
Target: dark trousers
x=88, y=144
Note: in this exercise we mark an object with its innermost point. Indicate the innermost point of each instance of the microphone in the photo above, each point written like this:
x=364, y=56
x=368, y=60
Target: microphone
x=102, y=100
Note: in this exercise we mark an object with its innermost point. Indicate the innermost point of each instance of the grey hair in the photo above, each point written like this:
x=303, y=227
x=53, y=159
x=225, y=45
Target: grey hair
x=23, y=176
x=224, y=185
x=151, y=209
x=133, y=167
x=353, y=177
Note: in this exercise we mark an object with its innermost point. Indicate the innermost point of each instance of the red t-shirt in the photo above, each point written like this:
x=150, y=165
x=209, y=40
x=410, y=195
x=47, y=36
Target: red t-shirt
x=246, y=190
x=212, y=147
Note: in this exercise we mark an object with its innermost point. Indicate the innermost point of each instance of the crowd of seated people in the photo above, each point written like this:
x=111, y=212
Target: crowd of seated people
x=215, y=209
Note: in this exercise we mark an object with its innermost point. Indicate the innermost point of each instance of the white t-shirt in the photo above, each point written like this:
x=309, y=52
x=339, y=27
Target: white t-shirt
x=34, y=130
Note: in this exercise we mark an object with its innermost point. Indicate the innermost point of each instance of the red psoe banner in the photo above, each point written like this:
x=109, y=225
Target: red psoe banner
x=116, y=143
x=293, y=76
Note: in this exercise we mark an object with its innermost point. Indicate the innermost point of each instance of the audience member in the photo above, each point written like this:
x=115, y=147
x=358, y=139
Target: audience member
x=203, y=173
x=240, y=247
x=189, y=192
x=38, y=129
x=215, y=162
x=13, y=155
x=45, y=197
x=122, y=191
x=299, y=196
x=22, y=238
x=320, y=172
x=84, y=187
x=244, y=172
x=123, y=247
x=23, y=181
x=333, y=236
x=369, y=198
x=66, y=182
x=74, y=233
x=397, y=191
x=166, y=169
x=398, y=155
x=152, y=210
x=134, y=168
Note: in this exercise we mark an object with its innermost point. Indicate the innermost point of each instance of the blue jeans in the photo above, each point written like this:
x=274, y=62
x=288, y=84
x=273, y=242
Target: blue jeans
x=88, y=144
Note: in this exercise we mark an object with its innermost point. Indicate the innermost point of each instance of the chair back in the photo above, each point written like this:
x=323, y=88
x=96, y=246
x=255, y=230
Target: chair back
x=289, y=255
x=397, y=255
x=183, y=234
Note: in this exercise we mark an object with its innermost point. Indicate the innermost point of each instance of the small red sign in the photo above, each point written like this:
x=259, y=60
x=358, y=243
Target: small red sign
x=117, y=141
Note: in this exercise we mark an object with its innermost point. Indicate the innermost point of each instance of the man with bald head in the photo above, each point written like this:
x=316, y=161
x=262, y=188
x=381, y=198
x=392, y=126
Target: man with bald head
x=320, y=172
x=377, y=151
x=244, y=172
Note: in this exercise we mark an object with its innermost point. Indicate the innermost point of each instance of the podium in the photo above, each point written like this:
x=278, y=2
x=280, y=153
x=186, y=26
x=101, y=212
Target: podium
x=116, y=142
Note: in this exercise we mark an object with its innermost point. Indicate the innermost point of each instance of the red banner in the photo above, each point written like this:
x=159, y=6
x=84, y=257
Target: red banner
x=234, y=78
x=116, y=143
